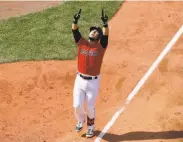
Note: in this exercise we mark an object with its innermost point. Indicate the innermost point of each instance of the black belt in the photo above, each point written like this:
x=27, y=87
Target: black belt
x=87, y=77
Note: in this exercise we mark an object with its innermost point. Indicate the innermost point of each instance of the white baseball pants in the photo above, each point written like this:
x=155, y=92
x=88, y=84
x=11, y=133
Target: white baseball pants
x=85, y=90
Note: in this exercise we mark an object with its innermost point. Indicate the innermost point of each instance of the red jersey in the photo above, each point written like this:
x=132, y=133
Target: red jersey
x=90, y=57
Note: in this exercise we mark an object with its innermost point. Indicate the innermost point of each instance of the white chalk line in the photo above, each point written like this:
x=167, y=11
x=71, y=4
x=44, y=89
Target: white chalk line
x=140, y=83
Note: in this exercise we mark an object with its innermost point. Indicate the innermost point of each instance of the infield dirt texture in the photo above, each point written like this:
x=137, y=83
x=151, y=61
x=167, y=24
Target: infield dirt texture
x=36, y=97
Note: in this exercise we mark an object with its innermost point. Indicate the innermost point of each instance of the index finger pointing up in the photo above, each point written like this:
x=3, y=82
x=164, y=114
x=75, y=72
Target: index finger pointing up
x=102, y=12
x=79, y=11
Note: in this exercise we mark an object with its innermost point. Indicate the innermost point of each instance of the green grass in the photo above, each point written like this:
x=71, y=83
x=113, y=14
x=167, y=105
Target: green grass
x=47, y=35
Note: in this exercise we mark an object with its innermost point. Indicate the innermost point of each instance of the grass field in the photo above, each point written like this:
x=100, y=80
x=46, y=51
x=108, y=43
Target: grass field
x=47, y=35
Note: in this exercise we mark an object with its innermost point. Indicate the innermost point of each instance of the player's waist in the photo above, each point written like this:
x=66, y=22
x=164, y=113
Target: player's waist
x=87, y=77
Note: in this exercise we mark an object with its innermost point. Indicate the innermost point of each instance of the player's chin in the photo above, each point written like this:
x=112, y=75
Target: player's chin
x=93, y=37
x=90, y=35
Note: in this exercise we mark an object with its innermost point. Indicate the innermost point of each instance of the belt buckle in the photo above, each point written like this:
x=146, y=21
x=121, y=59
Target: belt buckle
x=85, y=77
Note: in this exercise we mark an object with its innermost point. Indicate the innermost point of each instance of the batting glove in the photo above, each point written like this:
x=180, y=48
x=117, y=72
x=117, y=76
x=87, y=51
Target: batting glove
x=104, y=19
x=76, y=17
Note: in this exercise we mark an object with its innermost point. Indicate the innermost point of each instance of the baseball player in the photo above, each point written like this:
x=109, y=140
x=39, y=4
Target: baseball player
x=90, y=57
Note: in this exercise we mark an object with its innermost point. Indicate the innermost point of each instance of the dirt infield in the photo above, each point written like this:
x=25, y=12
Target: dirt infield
x=13, y=8
x=36, y=97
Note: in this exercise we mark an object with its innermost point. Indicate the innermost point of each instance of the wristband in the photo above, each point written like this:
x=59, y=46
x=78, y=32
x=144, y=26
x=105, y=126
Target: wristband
x=105, y=24
x=75, y=21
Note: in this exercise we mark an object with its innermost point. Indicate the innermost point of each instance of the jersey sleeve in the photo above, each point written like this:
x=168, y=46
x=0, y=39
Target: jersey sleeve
x=76, y=35
x=104, y=41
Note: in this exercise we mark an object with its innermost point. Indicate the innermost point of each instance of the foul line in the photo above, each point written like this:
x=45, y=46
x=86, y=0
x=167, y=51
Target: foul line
x=140, y=83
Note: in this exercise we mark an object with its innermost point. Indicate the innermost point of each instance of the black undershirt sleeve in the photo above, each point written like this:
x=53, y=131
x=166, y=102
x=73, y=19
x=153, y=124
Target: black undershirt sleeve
x=76, y=34
x=104, y=41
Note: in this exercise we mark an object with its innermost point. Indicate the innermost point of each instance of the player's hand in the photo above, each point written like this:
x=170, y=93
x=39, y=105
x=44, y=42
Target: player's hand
x=77, y=16
x=104, y=17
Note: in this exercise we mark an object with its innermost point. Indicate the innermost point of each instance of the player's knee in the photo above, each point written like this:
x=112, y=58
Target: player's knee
x=77, y=108
x=91, y=112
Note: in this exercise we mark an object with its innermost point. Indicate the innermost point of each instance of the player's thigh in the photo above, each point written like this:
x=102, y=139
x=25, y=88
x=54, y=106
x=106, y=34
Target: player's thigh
x=91, y=97
x=92, y=92
x=78, y=97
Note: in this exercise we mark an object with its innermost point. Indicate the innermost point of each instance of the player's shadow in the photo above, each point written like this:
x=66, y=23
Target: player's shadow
x=141, y=135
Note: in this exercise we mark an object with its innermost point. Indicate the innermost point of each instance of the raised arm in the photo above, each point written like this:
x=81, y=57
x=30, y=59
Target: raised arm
x=104, y=39
x=75, y=29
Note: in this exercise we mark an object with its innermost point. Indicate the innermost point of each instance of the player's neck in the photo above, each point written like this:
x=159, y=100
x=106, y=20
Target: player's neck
x=92, y=41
